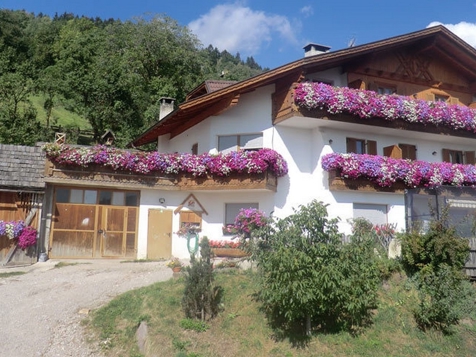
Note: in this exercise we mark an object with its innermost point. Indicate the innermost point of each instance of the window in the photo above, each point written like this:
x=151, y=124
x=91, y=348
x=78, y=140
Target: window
x=102, y=197
x=400, y=151
x=441, y=98
x=361, y=146
x=190, y=219
x=232, y=210
x=458, y=156
x=227, y=143
x=386, y=90
x=375, y=213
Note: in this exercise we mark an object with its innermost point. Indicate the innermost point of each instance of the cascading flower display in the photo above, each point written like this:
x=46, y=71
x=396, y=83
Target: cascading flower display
x=386, y=171
x=368, y=104
x=249, y=219
x=246, y=162
x=25, y=235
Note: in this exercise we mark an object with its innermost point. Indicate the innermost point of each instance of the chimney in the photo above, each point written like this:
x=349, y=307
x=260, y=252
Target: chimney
x=166, y=106
x=312, y=49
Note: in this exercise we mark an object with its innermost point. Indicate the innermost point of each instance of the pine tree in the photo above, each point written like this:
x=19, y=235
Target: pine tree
x=201, y=298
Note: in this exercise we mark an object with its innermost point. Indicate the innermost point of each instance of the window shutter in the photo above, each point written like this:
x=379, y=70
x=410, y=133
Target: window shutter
x=371, y=147
x=392, y=151
x=351, y=145
x=408, y=151
x=469, y=157
x=430, y=97
x=454, y=100
x=446, y=155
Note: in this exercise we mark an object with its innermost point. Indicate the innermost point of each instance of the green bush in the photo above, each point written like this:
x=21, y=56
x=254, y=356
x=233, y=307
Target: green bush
x=439, y=245
x=194, y=325
x=445, y=296
x=307, y=274
x=435, y=259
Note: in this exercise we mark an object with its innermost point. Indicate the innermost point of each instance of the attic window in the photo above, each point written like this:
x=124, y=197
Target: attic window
x=386, y=90
x=441, y=98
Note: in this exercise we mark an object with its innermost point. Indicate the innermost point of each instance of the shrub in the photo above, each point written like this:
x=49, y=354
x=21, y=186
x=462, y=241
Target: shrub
x=435, y=259
x=201, y=298
x=194, y=325
x=444, y=298
x=308, y=274
x=439, y=245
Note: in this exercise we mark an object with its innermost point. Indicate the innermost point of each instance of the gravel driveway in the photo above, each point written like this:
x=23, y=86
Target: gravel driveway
x=41, y=311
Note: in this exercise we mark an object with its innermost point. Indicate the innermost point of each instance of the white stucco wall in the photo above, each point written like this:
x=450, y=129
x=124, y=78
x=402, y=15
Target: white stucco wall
x=302, y=142
x=212, y=222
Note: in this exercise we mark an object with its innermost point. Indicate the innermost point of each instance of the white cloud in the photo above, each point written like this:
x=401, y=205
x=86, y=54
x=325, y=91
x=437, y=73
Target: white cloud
x=236, y=28
x=307, y=11
x=465, y=30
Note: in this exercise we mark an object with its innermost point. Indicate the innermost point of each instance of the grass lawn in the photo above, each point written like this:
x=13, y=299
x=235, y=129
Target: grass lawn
x=241, y=329
x=60, y=115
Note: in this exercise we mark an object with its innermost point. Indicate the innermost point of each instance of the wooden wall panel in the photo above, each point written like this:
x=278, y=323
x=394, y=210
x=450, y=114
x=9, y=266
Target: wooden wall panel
x=72, y=244
x=75, y=217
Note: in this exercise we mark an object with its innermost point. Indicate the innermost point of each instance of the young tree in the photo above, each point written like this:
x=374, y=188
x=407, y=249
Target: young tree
x=201, y=297
x=308, y=274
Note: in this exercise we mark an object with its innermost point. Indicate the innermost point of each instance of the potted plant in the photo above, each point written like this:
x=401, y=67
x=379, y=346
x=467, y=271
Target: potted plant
x=175, y=264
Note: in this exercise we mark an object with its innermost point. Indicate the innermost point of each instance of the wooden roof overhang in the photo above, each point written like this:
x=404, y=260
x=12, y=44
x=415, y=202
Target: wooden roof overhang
x=433, y=41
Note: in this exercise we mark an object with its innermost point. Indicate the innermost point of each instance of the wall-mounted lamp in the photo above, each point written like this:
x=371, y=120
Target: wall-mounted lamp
x=433, y=153
x=161, y=200
x=331, y=141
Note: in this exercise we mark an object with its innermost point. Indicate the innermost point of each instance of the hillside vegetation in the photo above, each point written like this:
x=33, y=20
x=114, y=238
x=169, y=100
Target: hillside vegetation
x=98, y=74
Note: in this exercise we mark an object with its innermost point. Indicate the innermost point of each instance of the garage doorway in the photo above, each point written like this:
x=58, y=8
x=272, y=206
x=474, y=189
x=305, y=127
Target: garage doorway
x=89, y=223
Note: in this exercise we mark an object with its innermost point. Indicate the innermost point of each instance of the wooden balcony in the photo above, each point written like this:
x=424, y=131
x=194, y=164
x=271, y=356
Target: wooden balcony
x=337, y=183
x=96, y=176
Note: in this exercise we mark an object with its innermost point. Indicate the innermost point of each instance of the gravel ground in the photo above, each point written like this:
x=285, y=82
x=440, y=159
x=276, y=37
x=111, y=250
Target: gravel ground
x=41, y=311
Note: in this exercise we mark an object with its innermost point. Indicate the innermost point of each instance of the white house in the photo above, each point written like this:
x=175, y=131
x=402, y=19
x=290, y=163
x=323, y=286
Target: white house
x=407, y=98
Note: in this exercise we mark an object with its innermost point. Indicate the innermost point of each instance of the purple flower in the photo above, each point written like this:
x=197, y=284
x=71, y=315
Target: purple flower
x=245, y=162
x=368, y=104
x=385, y=171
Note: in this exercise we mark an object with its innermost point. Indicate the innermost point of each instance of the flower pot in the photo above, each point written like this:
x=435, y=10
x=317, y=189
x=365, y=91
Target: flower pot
x=176, y=269
x=229, y=252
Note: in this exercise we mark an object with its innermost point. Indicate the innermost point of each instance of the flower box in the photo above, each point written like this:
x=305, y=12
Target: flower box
x=108, y=177
x=338, y=183
x=229, y=252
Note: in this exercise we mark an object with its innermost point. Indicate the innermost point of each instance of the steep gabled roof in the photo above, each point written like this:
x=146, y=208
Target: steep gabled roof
x=434, y=41
x=22, y=168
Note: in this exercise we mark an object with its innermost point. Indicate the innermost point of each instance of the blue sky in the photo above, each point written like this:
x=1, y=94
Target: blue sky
x=274, y=32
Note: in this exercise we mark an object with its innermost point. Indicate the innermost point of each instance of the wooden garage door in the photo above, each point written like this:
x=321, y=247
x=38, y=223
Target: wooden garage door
x=94, y=223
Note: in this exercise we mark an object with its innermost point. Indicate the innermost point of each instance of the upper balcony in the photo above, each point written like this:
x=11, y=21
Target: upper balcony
x=102, y=166
x=319, y=104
